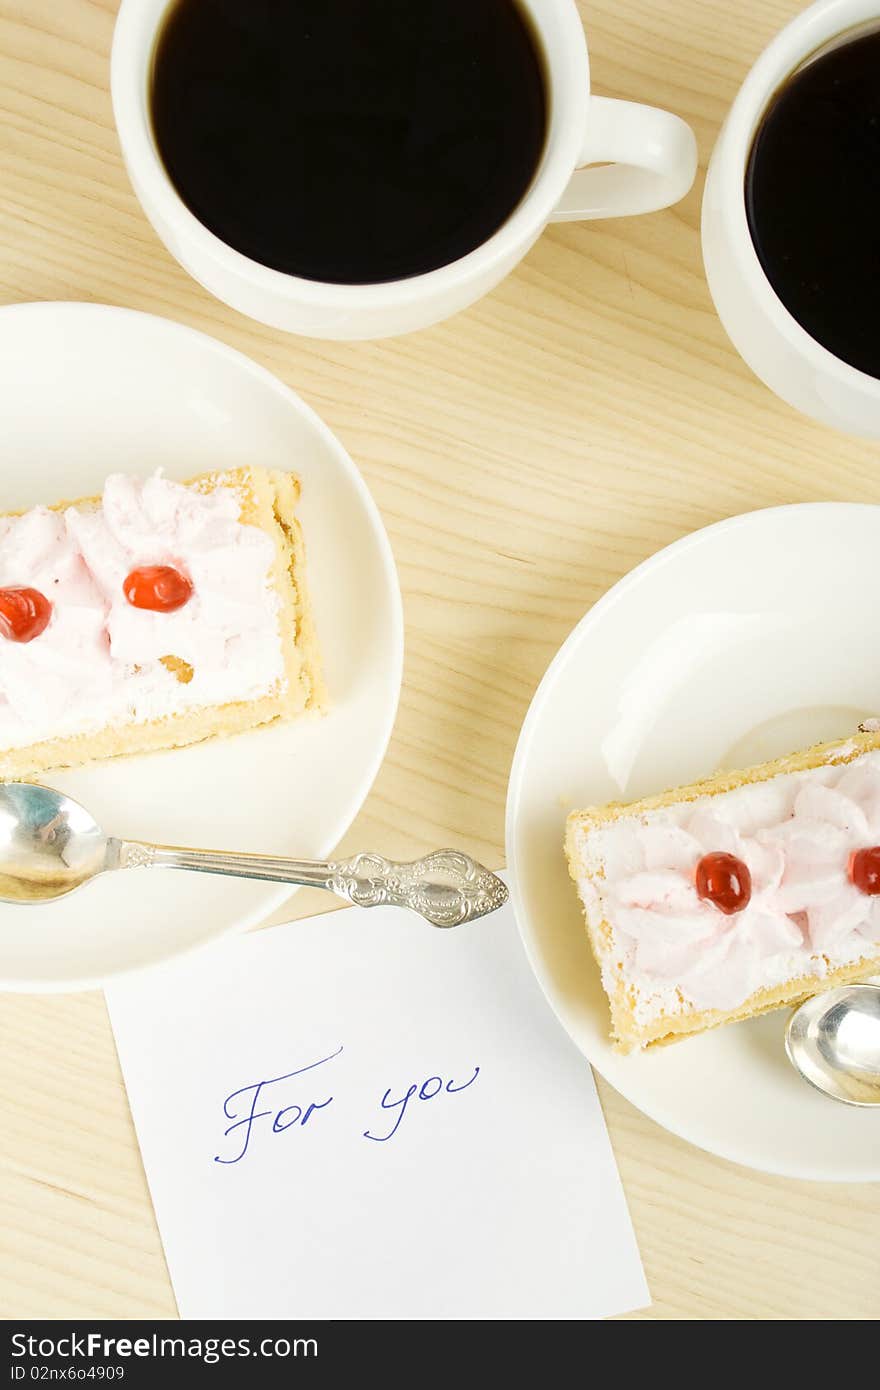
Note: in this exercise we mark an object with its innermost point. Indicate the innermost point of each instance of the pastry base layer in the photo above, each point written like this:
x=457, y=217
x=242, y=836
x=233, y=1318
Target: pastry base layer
x=626, y=1031
x=267, y=500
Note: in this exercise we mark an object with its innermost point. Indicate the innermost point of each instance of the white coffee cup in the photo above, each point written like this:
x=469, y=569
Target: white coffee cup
x=649, y=157
x=773, y=343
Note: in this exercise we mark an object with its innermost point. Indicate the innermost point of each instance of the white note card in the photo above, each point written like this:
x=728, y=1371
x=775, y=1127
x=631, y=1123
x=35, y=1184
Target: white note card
x=361, y=1116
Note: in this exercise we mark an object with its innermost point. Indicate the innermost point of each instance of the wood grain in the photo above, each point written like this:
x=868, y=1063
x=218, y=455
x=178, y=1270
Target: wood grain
x=525, y=455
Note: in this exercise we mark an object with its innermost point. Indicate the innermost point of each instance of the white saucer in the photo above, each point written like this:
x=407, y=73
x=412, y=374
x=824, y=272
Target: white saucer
x=86, y=390
x=738, y=643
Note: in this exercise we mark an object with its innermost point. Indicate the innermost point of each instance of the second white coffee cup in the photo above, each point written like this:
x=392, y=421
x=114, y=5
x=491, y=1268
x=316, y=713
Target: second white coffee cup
x=771, y=340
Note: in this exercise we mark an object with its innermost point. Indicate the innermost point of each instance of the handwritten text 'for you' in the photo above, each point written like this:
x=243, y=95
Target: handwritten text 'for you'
x=240, y=1107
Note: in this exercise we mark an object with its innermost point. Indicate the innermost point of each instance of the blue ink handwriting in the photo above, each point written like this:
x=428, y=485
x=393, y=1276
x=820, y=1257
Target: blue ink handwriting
x=240, y=1107
x=427, y=1091
x=284, y=1118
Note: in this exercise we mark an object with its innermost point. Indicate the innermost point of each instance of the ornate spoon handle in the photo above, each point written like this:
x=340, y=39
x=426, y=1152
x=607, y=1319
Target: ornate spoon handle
x=446, y=887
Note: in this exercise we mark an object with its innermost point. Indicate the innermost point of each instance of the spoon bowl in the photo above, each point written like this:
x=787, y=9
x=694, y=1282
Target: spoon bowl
x=49, y=844
x=833, y=1040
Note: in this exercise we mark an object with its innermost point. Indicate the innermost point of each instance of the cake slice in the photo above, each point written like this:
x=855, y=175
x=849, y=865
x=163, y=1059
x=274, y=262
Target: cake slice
x=157, y=615
x=736, y=895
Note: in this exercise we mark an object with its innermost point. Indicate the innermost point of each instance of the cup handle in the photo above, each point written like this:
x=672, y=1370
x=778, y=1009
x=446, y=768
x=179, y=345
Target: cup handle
x=647, y=160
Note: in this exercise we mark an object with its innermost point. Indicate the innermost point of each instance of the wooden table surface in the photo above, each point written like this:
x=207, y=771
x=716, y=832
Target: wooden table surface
x=525, y=455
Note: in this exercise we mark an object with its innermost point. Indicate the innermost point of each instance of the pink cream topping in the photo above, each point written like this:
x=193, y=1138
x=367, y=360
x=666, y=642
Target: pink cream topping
x=828, y=826
x=101, y=660
x=679, y=937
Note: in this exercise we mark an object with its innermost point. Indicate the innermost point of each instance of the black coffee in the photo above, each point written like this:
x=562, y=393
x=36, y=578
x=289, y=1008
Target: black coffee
x=355, y=141
x=813, y=199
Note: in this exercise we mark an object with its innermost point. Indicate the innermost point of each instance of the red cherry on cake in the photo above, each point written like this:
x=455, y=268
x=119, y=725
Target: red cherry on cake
x=24, y=614
x=724, y=880
x=160, y=588
x=864, y=870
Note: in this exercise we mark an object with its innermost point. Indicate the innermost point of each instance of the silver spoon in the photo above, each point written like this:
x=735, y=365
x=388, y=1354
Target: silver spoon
x=833, y=1040
x=50, y=845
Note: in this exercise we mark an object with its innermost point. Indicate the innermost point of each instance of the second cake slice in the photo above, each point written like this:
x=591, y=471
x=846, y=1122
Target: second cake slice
x=724, y=899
